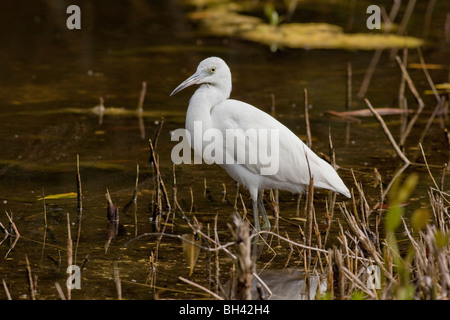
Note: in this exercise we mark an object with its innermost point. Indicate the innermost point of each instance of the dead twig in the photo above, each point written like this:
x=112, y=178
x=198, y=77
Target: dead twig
x=154, y=161
x=387, y=132
x=30, y=279
x=308, y=127
x=416, y=95
x=201, y=287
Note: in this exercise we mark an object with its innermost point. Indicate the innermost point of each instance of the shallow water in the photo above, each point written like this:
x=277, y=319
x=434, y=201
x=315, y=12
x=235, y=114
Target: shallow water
x=51, y=78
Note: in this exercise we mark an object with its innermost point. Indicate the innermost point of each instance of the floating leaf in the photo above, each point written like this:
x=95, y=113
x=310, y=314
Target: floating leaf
x=68, y=195
x=441, y=88
x=190, y=250
x=429, y=66
x=368, y=113
x=297, y=219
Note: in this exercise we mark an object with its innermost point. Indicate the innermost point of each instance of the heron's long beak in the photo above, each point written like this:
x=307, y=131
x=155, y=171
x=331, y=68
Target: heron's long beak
x=194, y=79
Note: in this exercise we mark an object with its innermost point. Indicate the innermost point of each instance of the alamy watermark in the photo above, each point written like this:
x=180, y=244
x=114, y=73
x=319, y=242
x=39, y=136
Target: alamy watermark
x=74, y=20
x=374, y=20
x=374, y=277
x=74, y=279
x=259, y=147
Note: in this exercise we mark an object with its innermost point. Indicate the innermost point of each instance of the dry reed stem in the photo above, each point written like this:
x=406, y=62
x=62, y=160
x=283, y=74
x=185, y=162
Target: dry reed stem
x=151, y=276
x=277, y=202
x=134, y=200
x=158, y=132
x=364, y=205
x=244, y=264
x=31, y=285
x=331, y=150
x=60, y=291
x=427, y=75
x=329, y=215
x=369, y=73
x=208, y=255
x=69, y=253
x=308, y=127
x=244, y=208
x=396, y=175
x=387, y=133
x=430, y=121
x=359, y=284
x=201, y=288
x=361, y=234
x=79, y=206
x=236, y=197
x=406, y=16
x=416, y=95
x=224, y=192
x=140, y=109
x=310, y=215
x=289, y=241
x=142, y=97
x=117, y=281
x=403, y=24
x=101, y=110
x=192, y=201
x=79, y=193
x=309, y=206
x=45, y=225
x=216, y=260
x=13, y=225
x=5, y=286
x=386, y=20
x=5, y=231
x=394, y=9
x=348, y=103
x=158, y=241
x=158, y=175
x=45, y=210
x=428, y=168
x=175, y=195
x=402, y=102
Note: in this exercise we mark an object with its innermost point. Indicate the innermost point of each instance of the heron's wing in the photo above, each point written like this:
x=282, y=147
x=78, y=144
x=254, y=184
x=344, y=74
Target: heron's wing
x=295, y=159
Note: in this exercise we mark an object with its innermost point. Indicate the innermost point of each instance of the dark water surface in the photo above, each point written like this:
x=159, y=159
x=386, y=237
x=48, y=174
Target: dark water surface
x=51, y=78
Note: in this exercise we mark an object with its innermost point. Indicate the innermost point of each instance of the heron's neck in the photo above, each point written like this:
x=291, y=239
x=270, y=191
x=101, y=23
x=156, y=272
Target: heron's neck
x=211, y=95
x=201, y=103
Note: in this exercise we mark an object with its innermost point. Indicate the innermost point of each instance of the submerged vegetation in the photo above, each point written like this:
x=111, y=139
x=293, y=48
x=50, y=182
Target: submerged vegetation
x=225, y=18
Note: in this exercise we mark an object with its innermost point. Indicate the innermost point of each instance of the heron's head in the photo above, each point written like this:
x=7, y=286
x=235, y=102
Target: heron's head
x=212, y=71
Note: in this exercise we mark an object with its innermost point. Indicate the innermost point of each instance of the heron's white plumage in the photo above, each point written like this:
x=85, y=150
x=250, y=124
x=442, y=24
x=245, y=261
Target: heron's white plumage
x=211, y=105
x=293, y=173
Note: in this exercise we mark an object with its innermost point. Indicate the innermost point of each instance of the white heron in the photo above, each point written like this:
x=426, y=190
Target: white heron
x=211, y=107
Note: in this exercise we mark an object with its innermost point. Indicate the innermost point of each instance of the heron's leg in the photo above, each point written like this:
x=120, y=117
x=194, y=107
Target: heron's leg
x=255, y=213
x=266, y=223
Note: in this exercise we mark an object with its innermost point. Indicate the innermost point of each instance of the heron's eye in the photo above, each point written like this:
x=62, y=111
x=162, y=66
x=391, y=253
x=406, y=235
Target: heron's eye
x=212, y=70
